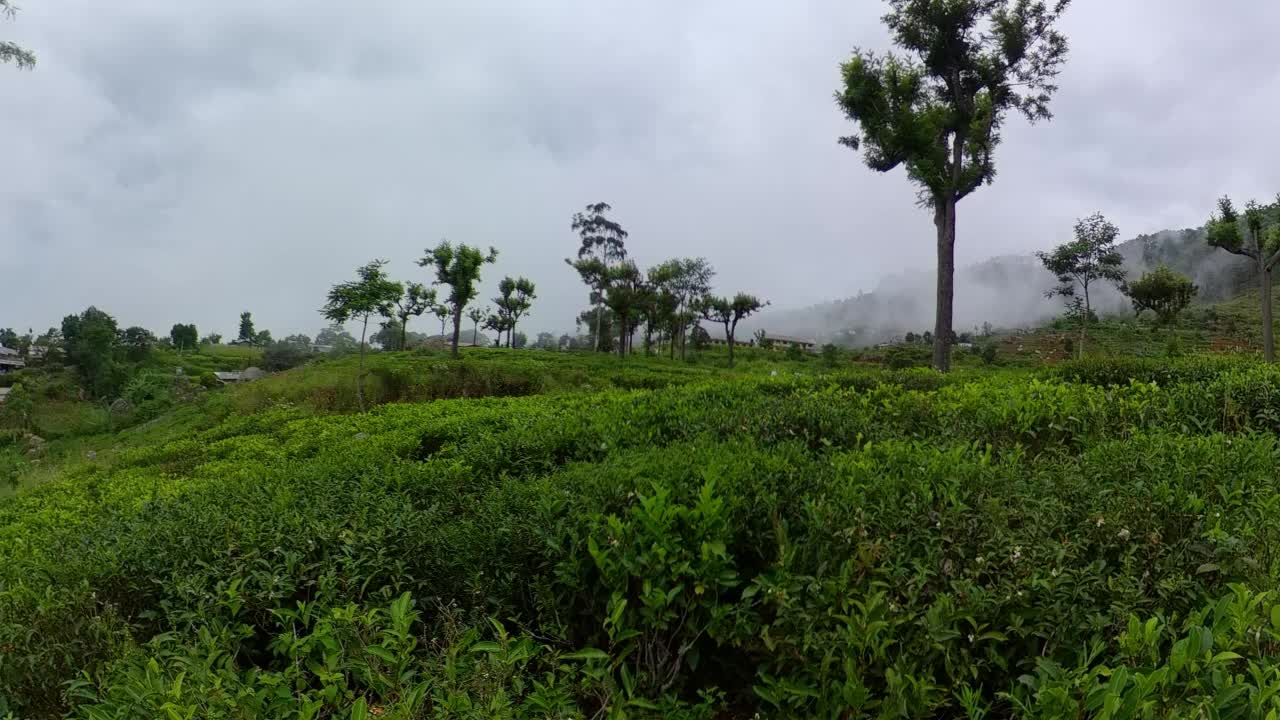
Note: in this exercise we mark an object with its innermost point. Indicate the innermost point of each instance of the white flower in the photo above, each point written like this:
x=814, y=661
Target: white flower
x=1123, y=534
x=980, y=559
x=1101, y=522
x=1017, y=553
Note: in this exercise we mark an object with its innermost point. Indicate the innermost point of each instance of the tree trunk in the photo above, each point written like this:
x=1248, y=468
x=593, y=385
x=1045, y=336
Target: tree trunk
x=404, y=328
x=728, y=337
x=360, y=374
x=1084, y=322
x=457, y=328
x=944, y=218
x=475, y=333
x=598, y=317
x=1268, y=328
x=622, y=336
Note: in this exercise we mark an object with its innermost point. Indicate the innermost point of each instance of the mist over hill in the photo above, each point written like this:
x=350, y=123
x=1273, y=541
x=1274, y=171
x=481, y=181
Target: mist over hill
x=1006, y=291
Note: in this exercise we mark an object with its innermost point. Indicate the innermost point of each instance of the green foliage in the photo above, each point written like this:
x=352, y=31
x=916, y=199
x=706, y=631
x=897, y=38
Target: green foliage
x=16, y=408
x=372, y=293
x=1162, y=291
x=459, y=269
x=905, y=356
x=515, y=297
x=185, y=337
x=11, y=52
x=830, y=355
x=666, y=541
x=988, y=352
x=728, y=312
x=247, y=334
x=91, y=340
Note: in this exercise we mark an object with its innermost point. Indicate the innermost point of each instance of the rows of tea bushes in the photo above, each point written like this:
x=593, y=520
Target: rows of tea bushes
x=834, y=547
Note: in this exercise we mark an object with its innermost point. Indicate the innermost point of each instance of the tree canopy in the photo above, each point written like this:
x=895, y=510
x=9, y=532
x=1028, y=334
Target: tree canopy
x=371, y=293
x=457, y=267
x=937, y=107
x=11, y=52
x=1162, y=291
x=1090, y=257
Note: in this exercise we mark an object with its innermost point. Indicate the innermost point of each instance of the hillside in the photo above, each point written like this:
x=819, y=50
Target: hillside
x=555, y=535
x=1006, y=292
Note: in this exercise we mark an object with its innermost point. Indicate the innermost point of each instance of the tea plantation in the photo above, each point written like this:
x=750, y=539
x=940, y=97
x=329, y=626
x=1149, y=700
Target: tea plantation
x=645, y=540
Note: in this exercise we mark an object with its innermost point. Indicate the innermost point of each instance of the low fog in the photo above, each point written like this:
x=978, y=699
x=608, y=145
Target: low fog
x=1009, y=292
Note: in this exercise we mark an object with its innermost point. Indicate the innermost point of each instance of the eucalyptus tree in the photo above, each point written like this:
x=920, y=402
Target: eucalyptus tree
x=937, y=107
x=416, y=300
x=603, y=245
x=515, y=297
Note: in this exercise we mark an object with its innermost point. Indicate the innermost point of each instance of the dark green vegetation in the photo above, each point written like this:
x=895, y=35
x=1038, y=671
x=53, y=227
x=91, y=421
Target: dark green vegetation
x=574, y=536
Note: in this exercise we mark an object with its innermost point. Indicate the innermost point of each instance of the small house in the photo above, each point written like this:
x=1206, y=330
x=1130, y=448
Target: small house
x=10, y=361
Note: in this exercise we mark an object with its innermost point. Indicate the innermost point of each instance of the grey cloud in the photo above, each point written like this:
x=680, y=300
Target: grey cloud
x=177, y=162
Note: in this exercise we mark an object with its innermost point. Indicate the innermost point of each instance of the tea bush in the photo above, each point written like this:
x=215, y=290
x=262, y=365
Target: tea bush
x=1087, y=541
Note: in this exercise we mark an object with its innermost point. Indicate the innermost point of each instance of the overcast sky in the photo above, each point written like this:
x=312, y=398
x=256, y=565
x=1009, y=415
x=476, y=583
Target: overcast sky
x=184, y=161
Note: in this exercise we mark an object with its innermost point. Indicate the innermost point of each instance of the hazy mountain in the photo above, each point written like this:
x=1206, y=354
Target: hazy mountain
x=1006, y=291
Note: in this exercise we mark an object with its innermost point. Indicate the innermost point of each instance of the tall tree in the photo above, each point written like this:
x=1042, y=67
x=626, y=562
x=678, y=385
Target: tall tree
x=476, y=315
x=371, y=293
x=499, y=323
x=458, y=268
x=416, y=300
x=247, y=335
x=687, y=280
x=938, y=108
x=91, y=340
x=1162, y=291
x=515, y=297
x=603, y=246
x=442, y=314
x=1254, y=235
x=728, y=311
x=1091, y=257
x=10, y=52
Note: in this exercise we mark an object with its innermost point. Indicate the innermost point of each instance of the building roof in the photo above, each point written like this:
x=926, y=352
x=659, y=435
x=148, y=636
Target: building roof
x=227, y=376
x=7, y=351
x=787, y=339
x=12, y=361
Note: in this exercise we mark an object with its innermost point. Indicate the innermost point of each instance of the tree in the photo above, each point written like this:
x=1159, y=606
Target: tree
x=476, y=315
x=1162, y=291
x=91, y=340
x=184, y=336
x=603, y=246
x=9, y=52
x=685, y=280
x=8, y=338
x=565, y=342
x=625, y=288
x=516, y=296
x=417, y=299
x=372, y=293
x=1256, y=236
x=459, y=268
x=263, y=338
x=297, y=340
x=1091, y=257
x=137, y=342
x=518, y=340
x=938, y=108
x=728, y=312
x=336, y=337
x=247, y=334
x=211, y=339
x=545, y=341
x=442, y=314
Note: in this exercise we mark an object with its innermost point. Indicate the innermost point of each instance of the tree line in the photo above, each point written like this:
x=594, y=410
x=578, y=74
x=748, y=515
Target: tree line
x=663, y=304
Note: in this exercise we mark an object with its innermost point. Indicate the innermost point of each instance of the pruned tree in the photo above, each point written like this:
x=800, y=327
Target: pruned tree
x=728, y=312
x=1078, y=264
x=603, y=246
x=442, y=314
x=457, y=267
x=11, y=52
x=1162, y=291
x=476, y=315
x=937, y=108
x=416, y=300
x=371, y=293
x=1254, y=235
x=515, y=297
